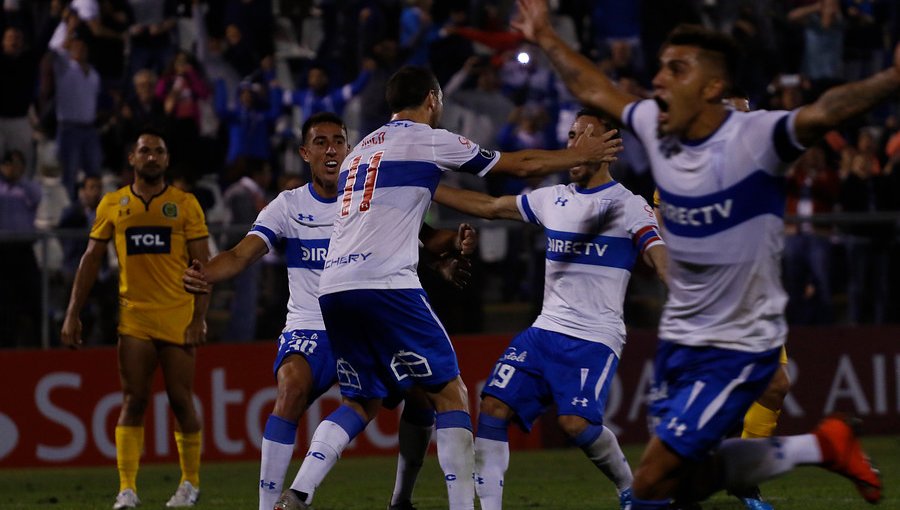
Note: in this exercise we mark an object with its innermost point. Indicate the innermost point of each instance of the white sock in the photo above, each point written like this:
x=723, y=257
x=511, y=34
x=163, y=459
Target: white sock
x=277, y=449
x=748, y=462
x=456, y=455
x=328, y=442
x=414, y=441
x=491, y=463
x=606, y=454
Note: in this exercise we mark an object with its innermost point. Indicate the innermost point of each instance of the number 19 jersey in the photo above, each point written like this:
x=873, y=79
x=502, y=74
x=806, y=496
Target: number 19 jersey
x=386, y=185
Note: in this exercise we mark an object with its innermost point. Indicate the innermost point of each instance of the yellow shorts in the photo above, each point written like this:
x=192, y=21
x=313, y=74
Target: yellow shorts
x=783, y=359
x=167, y=325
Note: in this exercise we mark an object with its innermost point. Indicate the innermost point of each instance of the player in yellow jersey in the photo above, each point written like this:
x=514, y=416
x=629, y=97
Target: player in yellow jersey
x=157, y=230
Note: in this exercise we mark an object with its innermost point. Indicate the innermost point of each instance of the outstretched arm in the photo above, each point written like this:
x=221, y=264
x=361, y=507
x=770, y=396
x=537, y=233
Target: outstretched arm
x=581, y=76
x=657, y=258
x=841, y=103
x=587, y=150
x=478, y=204
x=198, y=278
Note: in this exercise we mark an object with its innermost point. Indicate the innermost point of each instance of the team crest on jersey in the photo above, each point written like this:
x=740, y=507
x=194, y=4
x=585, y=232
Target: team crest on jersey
x=170, y=210
x=124, y=201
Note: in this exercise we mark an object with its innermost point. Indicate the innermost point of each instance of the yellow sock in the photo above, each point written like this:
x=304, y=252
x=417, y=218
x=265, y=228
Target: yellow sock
x=189, y=456
x=129, y=445
x=760, y=421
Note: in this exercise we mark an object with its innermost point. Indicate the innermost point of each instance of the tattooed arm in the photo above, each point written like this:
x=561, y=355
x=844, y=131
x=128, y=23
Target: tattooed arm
x=582, y=77
x=845, y=102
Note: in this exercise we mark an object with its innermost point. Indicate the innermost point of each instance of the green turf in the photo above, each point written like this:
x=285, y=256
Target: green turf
x=557, y=479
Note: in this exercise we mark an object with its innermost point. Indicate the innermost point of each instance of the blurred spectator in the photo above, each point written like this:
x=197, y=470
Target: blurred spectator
x=864, y=38
x=239, y=53
x=20, y=66
x=863, y=189
x=375, y=108
x=98, y=316
x=245, y=199
x=77, y=86
x=823, y=36
x=417, y=32
x=487, y=109
x=812, y=188
x=250, y=123
x=106, y=46
x=255, y=21
x=617, y=32
x=317, y=97
x=152, y=34
x=182, y=89
x=141, y=109
x=20, y=305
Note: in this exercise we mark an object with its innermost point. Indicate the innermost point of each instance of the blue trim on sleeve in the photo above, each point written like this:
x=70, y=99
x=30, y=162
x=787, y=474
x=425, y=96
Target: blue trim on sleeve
x=629, y=118
x=270, y=235
x=280, y=430
x=528, y=212
x=454, y=419
x=781, y=139
x=483, y=158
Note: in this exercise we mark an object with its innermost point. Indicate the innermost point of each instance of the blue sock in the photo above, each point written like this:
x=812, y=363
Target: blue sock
x=348, y=419
x=490, y=427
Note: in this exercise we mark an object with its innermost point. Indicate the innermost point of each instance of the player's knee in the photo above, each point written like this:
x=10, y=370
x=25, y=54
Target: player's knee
x=134, y=405
x=495, y=408
x=780, y=384
x=572, y=425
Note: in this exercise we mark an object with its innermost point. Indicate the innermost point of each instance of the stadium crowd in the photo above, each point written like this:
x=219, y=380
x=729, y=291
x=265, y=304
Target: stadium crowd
x=231, y=82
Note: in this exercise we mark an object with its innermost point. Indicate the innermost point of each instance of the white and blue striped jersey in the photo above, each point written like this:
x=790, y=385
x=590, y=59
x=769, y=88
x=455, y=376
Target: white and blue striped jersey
x=722, y=202
x=387, y=182
x=593, y=239
x=299, y=222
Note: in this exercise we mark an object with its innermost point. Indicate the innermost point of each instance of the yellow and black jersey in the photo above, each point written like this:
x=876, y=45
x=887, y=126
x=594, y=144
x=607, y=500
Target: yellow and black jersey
x=151, y=244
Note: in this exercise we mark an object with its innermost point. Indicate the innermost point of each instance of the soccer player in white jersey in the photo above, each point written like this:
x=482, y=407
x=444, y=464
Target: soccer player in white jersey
x=384, y=333
x=299, y=222
x=719, y=174
x=595, y=230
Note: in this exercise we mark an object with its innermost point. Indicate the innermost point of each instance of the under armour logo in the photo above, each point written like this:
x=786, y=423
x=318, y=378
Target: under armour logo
x=560, y=201
x=305, y=217
x=579, y=401
x=479, y=480
x=679, y=428
x=267, y=485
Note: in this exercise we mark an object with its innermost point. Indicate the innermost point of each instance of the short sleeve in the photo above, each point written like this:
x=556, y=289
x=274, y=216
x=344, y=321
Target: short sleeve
x=456, y=152
x=104, y=228
x=270, y=223
x=194, y=220
x=640, y=221
x=531, y=205
x=769, y=136
x=641, y=118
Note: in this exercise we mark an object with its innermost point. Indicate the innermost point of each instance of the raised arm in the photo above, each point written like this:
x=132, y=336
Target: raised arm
x=581, y=76
x=587, y=149
x=478, y=204
x=841, y=103
x=85, y=277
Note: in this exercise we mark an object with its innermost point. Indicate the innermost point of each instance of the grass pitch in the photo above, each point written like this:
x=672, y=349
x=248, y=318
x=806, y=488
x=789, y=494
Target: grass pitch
x=555, y=479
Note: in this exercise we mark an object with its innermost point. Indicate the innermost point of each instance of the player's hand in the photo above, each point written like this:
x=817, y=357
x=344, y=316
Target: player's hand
x=455, y=269
x=71, y=332
x=533, y=18
x=195, y=334
x=194, y=279
x=598, y=149
x=466, y=239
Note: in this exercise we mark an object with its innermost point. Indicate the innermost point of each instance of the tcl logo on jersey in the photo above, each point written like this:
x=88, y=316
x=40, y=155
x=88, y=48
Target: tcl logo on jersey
x=144, y=240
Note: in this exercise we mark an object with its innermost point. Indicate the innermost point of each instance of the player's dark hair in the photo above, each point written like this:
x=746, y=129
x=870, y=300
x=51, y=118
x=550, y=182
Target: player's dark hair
x=608, y=121
x=722, y=46
x=409, y=87
x=151, y=131
x=321, y=118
